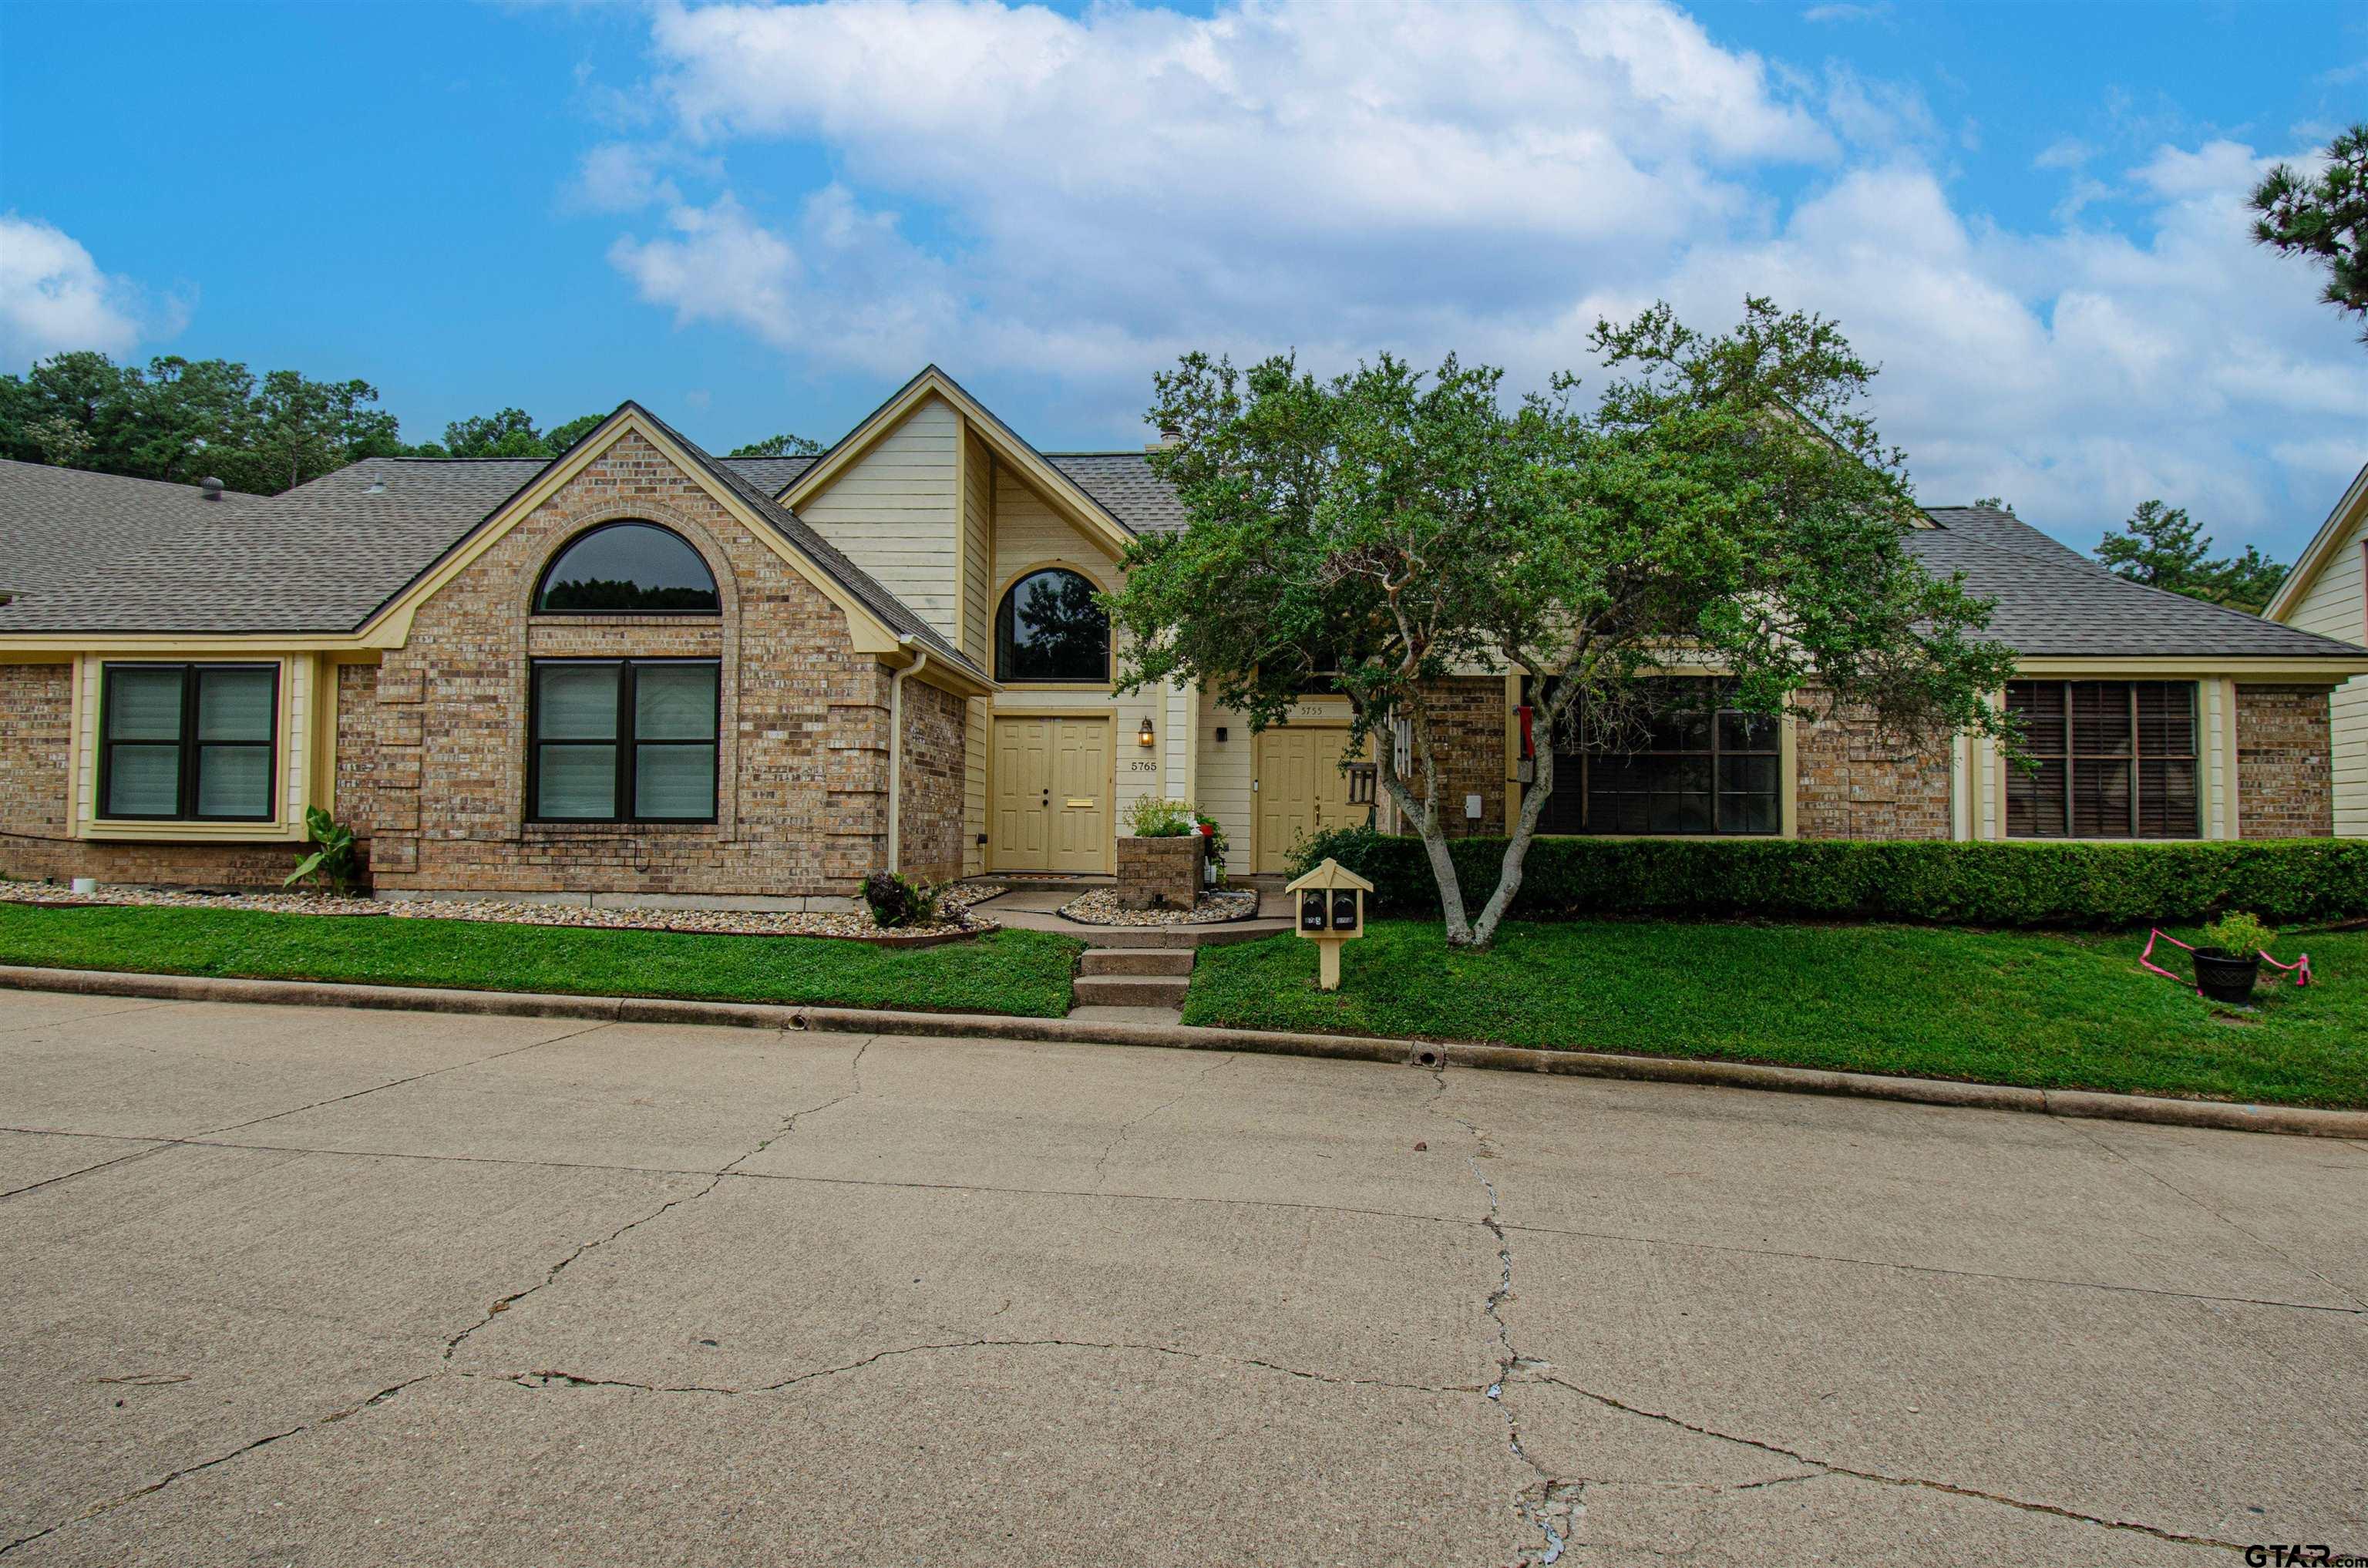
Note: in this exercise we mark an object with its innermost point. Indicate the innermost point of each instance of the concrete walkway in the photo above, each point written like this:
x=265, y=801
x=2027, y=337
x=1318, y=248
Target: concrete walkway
x=1132, y=952
x=324, y=1287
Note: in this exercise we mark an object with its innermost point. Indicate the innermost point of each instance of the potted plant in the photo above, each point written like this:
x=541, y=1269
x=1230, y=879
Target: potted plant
x=2228, y=959
x=1213, y=844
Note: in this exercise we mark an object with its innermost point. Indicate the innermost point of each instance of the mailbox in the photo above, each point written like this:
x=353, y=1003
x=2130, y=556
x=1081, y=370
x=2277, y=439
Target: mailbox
x=1331, y=911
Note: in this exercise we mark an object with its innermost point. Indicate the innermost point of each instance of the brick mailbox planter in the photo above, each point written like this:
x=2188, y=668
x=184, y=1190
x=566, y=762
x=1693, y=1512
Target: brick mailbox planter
x=1160, y=874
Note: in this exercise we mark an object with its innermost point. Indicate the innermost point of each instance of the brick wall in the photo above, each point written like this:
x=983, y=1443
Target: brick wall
x=1852, y=783
x=2286, y=784
x=1467, y=726
x=36, y=716
x=801, y=755
x=37, y=805
x=929, y=844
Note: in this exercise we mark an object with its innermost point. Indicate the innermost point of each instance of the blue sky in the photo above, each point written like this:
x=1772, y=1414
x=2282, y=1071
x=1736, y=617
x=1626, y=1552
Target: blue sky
x=757, y=218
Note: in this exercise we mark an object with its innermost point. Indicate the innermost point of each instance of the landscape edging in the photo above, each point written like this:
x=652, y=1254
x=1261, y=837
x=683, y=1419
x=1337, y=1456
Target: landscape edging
x=2296, y=1120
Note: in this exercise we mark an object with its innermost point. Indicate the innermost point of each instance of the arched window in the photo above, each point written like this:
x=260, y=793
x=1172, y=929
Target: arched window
x=1049, y=628
x=627, y=569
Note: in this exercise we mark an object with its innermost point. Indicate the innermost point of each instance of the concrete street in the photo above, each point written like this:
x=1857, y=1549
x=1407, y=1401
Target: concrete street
x=295, y=1286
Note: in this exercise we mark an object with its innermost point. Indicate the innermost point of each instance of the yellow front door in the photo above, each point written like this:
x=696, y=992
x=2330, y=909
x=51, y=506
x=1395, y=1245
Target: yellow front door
x=1052, y=795
x=1301, y=790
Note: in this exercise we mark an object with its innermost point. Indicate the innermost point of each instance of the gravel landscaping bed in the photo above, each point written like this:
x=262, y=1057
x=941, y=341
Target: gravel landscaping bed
x=954, y=920
x=1101, y=907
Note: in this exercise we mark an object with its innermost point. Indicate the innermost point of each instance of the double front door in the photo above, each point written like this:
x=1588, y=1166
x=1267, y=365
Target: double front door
x=1301, y=788
x=1052, y=795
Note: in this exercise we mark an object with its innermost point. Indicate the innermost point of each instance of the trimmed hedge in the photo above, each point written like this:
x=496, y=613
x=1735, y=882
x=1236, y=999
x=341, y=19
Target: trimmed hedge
x=2285, y=882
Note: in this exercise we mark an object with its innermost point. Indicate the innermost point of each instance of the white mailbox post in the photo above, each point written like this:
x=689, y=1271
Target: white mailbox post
x=1331, y=910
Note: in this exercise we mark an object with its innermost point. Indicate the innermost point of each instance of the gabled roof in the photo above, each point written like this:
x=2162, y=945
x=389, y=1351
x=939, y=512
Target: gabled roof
x=95, y=553
x=2053, y=602
x=1053, y=485
x=891, y=611
x=2321, y=548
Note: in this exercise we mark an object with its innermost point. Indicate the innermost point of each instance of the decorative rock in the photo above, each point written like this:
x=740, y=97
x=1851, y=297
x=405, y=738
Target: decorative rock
x=953, y=912
x=1101, y=907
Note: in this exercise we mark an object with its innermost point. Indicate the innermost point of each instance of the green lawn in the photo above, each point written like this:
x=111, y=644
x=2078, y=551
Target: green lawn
x=2039, y=1009
x=1025, y=973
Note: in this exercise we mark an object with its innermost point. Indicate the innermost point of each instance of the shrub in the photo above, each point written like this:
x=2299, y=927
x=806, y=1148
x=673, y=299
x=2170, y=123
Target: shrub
x=2099, y=885
x=331, y=859
x=896, y=900
x=2238, y=933
x=1151, y=817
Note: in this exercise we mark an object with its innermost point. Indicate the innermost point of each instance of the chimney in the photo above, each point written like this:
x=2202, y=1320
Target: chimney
x=1170, y=436
x=211, y=487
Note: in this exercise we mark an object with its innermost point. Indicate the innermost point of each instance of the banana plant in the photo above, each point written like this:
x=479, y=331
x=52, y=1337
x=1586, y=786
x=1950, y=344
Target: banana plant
x=333, y=853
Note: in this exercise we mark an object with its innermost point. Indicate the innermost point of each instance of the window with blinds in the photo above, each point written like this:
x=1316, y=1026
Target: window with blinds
x=187, y=743
x=622, y=740
x=2115, y=759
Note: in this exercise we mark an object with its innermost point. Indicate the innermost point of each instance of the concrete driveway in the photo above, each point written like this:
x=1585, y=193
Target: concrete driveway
x=291, y=1286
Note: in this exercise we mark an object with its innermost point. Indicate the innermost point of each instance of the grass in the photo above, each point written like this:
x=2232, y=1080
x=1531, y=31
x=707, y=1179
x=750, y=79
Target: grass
x=1021, y=973
x=2039, y=1009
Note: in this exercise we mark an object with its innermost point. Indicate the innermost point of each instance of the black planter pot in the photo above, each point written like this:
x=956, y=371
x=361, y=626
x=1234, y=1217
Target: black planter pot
x=2224, y=976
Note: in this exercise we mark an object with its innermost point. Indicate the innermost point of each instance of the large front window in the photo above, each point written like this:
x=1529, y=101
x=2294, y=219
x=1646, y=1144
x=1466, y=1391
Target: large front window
x=1674, y=760
x=2112, y=759
x=191, y=743
x=1049, y=628
x=622, y=740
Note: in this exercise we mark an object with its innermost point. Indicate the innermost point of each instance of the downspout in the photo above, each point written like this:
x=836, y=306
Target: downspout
x=896, y=745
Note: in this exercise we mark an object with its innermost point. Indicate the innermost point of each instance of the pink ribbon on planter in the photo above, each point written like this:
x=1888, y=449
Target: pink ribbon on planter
x=2299, y=968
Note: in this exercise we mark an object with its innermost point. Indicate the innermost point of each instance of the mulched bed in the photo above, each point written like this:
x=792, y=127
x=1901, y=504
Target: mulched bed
x=955, y=920
x=1101, y=907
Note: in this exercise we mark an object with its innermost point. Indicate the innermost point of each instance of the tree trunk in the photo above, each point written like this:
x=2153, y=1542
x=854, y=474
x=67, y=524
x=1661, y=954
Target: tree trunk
x=1516, y=849
x=1434, y=837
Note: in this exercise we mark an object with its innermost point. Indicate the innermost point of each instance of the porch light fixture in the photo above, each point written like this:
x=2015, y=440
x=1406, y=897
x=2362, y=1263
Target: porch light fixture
x=1144, y=736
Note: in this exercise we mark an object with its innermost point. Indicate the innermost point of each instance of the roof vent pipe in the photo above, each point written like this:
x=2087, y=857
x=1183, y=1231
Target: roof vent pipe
x=211, y=486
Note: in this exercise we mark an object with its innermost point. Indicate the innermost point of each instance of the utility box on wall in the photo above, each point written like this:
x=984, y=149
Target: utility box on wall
x=1331, y=911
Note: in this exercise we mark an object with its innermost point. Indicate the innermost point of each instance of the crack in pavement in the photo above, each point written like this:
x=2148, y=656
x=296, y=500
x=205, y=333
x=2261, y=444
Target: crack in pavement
x=715, y=1179
x=2266, y=1245
x=86, y=1017
x=501, y=1305
x=544, y=1378
x=1554, y=1504
x=1827, y=1467
x=2050, y=1280
x=134, y=1496
x=200, y=1138
x=1936, y=1268
x=1101, y=1161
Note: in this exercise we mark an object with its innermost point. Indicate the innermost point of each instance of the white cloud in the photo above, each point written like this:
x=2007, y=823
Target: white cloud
x=54, y=297
x=1073, y=200
x=1845, y=13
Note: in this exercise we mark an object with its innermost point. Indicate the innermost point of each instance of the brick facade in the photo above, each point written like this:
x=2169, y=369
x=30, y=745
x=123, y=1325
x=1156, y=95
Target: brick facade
x=929, y=804
x=2286, y=785
x=1467, y=726
x=1851, y=783
x=802, y=752
x=1160, y=873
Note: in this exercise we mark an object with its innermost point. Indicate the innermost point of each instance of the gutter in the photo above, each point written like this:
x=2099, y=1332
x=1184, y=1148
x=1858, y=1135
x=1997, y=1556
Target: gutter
x=905, y=641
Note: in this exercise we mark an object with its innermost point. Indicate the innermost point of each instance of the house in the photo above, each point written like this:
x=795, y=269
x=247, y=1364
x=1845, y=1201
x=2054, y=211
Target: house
x=641, y=673
x=2327, y=593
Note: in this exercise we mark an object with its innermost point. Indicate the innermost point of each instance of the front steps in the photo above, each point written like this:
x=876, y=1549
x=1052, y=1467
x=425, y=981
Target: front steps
x=1133, y=984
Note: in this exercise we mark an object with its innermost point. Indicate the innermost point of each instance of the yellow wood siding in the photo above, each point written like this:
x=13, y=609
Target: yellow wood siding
x=977, y=552
x=894, y=512
x=2336, y=606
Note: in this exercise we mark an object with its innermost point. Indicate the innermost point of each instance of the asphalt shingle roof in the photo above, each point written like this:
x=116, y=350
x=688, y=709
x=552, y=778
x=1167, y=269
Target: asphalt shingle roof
x=2055, y=602
x=97, y=552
